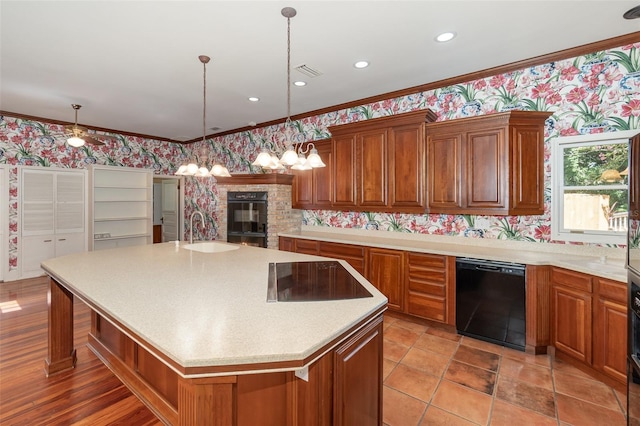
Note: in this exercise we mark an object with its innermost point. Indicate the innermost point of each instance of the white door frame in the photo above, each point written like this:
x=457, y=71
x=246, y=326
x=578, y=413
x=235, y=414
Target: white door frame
x=180, y=200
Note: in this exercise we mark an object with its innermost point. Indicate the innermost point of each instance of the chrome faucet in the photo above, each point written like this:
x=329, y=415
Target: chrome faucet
x=191, y=224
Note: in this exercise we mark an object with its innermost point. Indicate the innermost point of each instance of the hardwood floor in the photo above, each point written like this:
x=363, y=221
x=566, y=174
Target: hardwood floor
x=87, y=395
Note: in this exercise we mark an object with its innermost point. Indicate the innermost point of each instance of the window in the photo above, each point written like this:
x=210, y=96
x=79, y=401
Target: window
x=590, y=188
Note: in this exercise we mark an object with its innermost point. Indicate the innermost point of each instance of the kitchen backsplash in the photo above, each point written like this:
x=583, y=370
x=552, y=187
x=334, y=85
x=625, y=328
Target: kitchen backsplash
x=599, y=92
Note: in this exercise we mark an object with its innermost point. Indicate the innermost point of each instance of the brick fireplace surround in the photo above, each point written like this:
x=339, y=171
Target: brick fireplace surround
x=280, y=216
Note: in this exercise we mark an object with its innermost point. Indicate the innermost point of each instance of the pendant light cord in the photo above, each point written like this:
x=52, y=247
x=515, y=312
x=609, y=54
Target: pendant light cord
x=288, y=121
x=204, y=100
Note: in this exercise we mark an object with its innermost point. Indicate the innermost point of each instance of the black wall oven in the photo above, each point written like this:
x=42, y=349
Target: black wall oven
x=247, y=218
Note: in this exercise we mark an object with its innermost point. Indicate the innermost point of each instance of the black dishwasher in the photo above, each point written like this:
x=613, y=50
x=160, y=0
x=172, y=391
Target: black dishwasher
x=490, y=301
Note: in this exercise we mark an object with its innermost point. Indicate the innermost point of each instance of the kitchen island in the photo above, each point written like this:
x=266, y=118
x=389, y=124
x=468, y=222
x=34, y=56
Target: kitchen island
x=192, y=335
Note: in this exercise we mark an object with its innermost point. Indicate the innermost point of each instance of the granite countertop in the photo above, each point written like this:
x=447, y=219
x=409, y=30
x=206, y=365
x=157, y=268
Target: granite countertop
x=603, y=262
x=208, y=309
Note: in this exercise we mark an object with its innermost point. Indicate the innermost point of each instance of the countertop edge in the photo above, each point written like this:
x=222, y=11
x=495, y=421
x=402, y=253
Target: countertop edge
x=610, y=266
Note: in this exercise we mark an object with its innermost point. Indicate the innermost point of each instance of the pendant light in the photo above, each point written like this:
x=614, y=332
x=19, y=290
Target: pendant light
x=192, y=169
x=290, y=157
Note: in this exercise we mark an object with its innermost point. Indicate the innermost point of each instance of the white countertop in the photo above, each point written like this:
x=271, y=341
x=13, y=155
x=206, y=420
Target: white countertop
x=204, y=309
x=599, y=261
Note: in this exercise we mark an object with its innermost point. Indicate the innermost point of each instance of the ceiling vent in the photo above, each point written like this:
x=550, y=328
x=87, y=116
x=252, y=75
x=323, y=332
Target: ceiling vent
x=632, y=13
x=308, y=71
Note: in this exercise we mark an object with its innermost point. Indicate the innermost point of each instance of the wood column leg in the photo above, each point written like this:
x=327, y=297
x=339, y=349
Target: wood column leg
x=61, y=354
x=206, y=401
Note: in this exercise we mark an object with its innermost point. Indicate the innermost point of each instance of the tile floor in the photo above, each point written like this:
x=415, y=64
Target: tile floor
x=435, y=377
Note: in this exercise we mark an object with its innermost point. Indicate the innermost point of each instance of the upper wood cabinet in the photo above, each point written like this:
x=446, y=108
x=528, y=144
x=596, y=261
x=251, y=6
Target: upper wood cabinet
x=491, y=164
x=379, y=164
x=311, y=189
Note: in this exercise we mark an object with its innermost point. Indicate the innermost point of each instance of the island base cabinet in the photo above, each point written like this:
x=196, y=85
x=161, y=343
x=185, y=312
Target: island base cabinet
x=342, y=387
x=358, y=379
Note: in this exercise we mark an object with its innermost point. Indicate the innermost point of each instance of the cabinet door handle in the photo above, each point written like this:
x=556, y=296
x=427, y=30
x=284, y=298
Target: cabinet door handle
x=47, y=241
x=62, y=239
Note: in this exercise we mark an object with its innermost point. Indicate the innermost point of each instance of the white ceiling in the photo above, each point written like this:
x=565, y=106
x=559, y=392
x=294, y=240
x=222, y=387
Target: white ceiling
x=133, y=65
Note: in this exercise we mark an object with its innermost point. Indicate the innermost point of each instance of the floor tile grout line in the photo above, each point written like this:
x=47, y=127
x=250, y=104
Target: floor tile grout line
x=615, y=396
x=550, y=366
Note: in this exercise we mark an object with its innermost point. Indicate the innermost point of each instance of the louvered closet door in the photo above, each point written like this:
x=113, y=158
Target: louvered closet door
x=69, y=203
x=38, y=216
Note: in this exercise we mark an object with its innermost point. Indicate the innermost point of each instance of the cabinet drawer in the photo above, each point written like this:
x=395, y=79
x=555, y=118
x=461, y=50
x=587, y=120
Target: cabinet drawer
x=571, y=279
x=340, y=251
x=306, y=246
x=354, y=255
x=426, y=260
x=429, y=307
x=430, y=288
x=428, y=275
x=358, y=264
x=612, y=290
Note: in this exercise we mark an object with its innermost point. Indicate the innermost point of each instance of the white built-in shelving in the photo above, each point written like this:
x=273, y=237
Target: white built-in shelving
x=121, y=207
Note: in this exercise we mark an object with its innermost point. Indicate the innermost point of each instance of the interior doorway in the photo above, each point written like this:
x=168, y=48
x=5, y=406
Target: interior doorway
x=168, y=208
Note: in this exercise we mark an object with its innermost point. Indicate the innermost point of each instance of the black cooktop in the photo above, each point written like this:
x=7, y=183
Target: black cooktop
x=312, y=281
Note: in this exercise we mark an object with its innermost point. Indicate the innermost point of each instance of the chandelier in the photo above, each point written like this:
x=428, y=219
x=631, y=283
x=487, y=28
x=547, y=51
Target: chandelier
x=291, y=157
x=192, y=168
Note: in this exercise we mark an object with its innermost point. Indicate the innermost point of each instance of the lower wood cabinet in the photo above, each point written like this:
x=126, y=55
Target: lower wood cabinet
x=572, y=322
x=430, y=292
x=582, y=316
x=306, y=246
x=610, y=328
x=589, y=321
x=354, y=255
x=418, y=284
x=385, y=270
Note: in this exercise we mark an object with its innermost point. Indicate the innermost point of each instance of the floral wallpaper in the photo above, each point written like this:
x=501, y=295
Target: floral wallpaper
x=594, y=93
x=598, y=92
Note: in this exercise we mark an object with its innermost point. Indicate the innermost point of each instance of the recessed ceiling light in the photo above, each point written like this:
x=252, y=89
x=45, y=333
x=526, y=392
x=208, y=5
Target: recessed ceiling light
x=299, y=83
x=445, y=37
x=253, y=99
x=361, y=64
